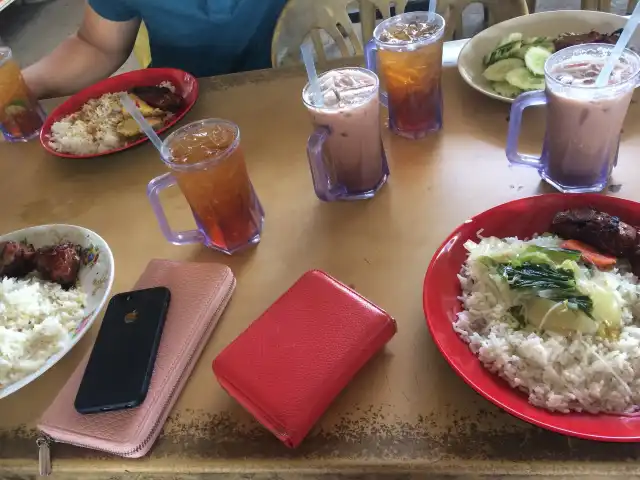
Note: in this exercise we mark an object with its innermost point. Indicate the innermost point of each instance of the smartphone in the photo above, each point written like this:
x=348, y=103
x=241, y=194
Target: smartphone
x=121, y=363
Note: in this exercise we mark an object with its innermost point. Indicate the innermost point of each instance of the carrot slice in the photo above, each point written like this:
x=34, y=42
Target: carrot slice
x=590, y=254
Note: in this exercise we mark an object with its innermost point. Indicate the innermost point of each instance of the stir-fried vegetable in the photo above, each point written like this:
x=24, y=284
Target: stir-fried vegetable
x=549, y=255
x=547, y=282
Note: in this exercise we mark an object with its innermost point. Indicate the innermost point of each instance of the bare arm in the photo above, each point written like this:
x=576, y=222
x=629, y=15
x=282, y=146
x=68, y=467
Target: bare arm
x=96, y=51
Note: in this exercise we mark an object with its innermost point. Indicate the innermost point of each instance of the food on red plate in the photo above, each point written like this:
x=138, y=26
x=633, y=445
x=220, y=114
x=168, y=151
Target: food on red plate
x=558, y=315
x=102, y=124
x=159, y=97
x=606, y=233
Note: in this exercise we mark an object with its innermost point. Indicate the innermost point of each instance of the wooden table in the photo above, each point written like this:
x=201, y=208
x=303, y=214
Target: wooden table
x=406, y=412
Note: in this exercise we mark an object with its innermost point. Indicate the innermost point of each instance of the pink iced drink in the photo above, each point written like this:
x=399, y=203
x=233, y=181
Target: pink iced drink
x=353, y=154
x=584, y=122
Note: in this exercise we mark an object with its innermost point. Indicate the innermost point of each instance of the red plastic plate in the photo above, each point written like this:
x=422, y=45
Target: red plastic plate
x=520, y=218
x=185, y=83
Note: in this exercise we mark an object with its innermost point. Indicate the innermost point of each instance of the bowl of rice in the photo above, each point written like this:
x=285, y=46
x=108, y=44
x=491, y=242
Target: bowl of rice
x=40, y=321
x=580, y=377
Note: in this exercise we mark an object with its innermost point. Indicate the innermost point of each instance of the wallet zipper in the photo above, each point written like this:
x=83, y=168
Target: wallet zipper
x=44, y=441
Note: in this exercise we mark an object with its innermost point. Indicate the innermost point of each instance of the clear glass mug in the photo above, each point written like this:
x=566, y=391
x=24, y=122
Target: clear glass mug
x=411, y=72
x=584, y=123
x=213, y=178
x=345, y=151
x=21, y=116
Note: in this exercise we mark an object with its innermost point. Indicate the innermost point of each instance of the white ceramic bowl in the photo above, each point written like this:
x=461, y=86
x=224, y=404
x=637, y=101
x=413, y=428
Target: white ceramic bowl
x=550, y=24
x=95, y=279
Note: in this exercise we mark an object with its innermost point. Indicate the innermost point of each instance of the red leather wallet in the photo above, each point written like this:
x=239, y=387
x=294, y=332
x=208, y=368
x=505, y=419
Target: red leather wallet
x=290, y=363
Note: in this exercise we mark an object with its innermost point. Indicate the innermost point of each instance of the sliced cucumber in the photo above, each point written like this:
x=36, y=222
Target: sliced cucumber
x=535, y=59
x=523, y=51
x=512, y=37
x=525, y=80
x=506, y=89
x=536, y=40
x=498, y=71
x=508, y=50
x=547, y=46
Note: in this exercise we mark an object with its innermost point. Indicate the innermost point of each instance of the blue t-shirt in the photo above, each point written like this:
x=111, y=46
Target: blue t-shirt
x=202, y=37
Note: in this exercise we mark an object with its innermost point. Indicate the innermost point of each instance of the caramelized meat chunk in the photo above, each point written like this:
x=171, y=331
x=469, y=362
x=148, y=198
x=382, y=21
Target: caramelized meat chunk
x=16, y=259
x=159, y=97
x=59, y=263
x=571, y=39
x=600, y=230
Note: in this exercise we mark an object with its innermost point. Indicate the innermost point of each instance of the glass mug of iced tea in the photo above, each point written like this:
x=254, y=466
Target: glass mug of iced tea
x=21, y=116
x=208, y=165
x=345, y=151
x=584, y=122
x=409, y=62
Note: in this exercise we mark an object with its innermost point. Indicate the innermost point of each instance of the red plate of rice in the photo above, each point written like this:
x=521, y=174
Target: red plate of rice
x=97, y=136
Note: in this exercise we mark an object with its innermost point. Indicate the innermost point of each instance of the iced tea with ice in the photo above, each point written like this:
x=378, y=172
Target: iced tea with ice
x=208, y=164
x=409, y=48
x=21, y=116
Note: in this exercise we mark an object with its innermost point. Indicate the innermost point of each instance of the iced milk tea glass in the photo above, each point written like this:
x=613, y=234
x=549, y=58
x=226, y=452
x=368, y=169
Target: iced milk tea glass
x=21, y=116
x=345, y=151
x=584, y=122
x=207, y=163
x=409, y=62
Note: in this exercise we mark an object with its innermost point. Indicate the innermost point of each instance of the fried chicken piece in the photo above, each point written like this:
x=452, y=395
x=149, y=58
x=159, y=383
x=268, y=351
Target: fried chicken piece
x=159, y=97
x=59, y=263
x=16, y=259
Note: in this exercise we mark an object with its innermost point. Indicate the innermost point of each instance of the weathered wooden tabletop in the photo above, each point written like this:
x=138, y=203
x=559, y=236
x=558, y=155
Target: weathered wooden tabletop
x=406, y=412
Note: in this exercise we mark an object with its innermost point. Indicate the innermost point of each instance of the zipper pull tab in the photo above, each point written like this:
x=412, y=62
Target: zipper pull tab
x=44, y=456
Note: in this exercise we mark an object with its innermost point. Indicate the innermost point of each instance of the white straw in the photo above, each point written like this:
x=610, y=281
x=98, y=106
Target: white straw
x=130, y=107
x=621, y=44
x=432, y=8
x=307, y=57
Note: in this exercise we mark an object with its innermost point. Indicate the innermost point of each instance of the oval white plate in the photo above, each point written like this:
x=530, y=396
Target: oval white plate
x=95, y=279
x=550, y=24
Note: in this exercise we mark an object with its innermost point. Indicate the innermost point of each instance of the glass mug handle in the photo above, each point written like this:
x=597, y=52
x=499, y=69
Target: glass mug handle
x=528, y=99
x=370, y=50
x=321, y=181
x=153, y=191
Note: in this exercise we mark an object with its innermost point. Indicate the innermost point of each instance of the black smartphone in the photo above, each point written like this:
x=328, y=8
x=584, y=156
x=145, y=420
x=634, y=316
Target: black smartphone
x=121, y=363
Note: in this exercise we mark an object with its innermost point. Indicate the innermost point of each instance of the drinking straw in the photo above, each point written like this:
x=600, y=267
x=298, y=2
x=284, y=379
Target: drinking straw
x=432, y=8
x=130, y=107
x=307, y=57
x=621, y=44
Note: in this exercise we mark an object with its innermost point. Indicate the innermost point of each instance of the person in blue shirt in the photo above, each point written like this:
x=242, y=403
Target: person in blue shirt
x=203, y=37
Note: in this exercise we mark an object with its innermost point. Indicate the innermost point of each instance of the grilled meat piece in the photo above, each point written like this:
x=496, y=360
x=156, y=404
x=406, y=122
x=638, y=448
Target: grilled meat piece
x=571, y=39
x=16, y=259
x=159, y=97
x=600, y=230
x=59, y=263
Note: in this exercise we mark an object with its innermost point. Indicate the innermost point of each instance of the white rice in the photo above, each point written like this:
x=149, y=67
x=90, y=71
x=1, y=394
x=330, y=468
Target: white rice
x=91, y=130
x=559, y=373
x=37, y=319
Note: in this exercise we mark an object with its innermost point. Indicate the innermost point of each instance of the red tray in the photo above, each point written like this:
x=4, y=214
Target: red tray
x=185, y=84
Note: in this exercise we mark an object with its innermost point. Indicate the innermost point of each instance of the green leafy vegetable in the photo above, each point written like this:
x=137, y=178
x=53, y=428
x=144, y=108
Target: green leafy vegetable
x=550, y=255
x=546, y=281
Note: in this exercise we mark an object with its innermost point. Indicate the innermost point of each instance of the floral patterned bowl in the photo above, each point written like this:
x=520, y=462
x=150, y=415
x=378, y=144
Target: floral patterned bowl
x=95, y=279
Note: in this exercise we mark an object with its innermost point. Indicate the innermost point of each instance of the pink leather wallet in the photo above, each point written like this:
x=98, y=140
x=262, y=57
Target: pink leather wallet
x=199, y=294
